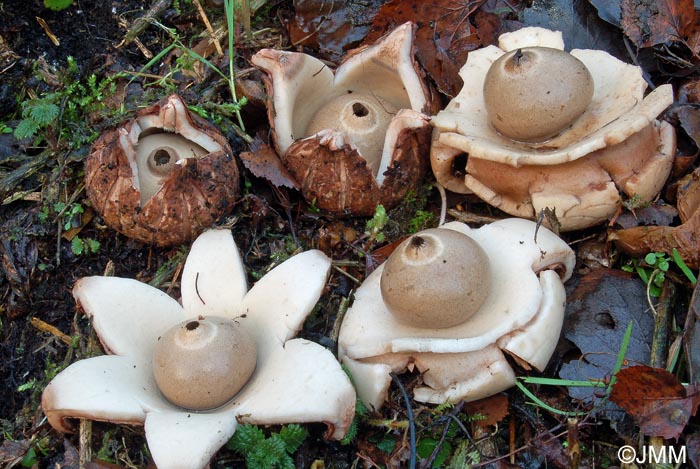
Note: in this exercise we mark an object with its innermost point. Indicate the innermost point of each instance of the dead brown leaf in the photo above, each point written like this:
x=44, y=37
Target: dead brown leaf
x=493, y=409
x=687, y=110
x=444, y=36
x=263, y=162
x=651, y=22
x=332, y=27
x=331, y=235
x=12, y=452
x=655, y=398
x=685, y=238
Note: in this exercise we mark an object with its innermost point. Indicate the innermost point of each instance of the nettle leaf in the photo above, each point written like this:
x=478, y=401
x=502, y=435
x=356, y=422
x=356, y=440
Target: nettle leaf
x=293, y=436
x=43, y=112
x=26, y=128
x=77, y=246
x=267, y=453
x=246, y=438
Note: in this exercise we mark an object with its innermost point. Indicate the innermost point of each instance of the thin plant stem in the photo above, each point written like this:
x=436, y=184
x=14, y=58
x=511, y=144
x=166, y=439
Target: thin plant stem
x=231, y=24
x=411, y=423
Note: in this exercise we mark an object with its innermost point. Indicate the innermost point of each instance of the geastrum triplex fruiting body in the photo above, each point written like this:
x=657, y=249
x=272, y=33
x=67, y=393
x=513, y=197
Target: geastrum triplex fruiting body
x=499, y=291
x=228, y=355
x=355, y=138
x=576, y=162
x=162, y=177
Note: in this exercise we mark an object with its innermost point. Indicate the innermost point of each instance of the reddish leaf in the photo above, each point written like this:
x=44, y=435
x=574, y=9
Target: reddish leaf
x=331, y=26
x=493, y=409
x=659, y=403
x=444, y=37
x=685, y=238
x=652, y=22
x=263, y=162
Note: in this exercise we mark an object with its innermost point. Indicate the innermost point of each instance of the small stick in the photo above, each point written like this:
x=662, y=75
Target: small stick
x=46, y=327
x=141, y=23
x=342, y=309
x=85, y=437
x=466, y=217
x=212, y=35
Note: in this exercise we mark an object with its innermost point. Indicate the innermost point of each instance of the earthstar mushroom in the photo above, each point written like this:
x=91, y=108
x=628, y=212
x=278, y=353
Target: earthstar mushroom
x=521, y=316
x=355, y=138
x=616, y=146
x=162, y=177
x=129, y=317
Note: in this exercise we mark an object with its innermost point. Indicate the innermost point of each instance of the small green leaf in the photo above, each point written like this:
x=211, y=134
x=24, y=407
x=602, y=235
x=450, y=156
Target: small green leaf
x=26, y=386
x=77, y=246
x=246, y=438
x=650, y=258
x=26, y=128
x=93, y=246
x=387, y=444
x=57, y=5
x=293, y=436
x=663, y=265
x=43, y=112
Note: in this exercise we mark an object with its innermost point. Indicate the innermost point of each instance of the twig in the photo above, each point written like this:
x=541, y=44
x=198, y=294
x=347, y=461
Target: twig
x=411, y=423
x=659, y=349
x=466, y=217
x=453, y=413
x=141, y=23
x=342, y=309
x=84, y=448
x=207, y=24
x=53, y=330
x=341, y=271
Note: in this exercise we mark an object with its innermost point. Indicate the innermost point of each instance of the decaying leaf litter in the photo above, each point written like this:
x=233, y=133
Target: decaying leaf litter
x=50, y=236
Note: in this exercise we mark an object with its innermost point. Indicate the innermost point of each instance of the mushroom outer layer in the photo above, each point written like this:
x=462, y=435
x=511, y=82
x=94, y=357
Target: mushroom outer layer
x=435, y=278
x=192, y=196
x=463, y=141
x=201, y=364
x=328, y=166
x=522, y=315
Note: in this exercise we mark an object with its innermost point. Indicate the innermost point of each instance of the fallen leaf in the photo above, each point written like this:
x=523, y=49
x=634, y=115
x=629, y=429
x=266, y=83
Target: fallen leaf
x=333, y=234
x=688, y=111
x=652, y=22
x=12, y=452
x=688, y=196
x=580, y=25
x=447, y=31
x=493, y=409
x=608, y=10
x=263, y=162
x=656, y=214
x=549, y=448
x=333, y=27
x=685, y=238
x=598, y=311
x=691, y=337
x=655, y=398
x=692, y=443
